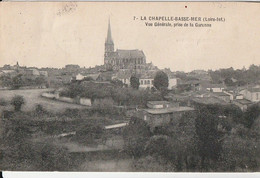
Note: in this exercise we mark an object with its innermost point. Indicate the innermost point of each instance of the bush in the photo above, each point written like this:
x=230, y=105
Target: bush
x=39, y=109
x=72, y=113
x=17, y=101
x=88, y=133
x=7, y=114
x=3, y=102
x=135, y=135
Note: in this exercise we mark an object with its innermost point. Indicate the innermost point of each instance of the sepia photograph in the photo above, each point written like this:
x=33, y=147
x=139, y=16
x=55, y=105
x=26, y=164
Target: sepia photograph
x=130, y=86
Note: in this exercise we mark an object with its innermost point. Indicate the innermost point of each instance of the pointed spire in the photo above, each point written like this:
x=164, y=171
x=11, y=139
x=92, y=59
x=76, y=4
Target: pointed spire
x=109, y=39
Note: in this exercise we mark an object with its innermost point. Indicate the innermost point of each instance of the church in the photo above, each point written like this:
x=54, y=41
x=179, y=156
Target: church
x=121, y=58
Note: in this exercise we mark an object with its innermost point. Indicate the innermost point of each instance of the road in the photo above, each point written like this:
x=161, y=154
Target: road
x=33, y=97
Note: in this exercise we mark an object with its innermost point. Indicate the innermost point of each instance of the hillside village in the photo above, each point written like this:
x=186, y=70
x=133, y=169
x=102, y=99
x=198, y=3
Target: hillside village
x=195, y=86
x=129, y=109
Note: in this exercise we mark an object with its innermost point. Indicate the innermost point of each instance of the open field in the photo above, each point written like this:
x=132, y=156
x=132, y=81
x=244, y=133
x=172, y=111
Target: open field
x=33, y=97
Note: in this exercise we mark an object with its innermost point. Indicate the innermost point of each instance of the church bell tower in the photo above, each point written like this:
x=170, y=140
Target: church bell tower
x=109, y=44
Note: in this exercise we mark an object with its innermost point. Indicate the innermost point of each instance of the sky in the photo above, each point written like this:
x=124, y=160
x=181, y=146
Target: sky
x=54, y=34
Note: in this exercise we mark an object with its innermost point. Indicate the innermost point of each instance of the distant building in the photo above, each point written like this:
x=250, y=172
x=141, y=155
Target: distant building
x=158, y=104
x=72, y=67
x=213, y=87
x=6, y=72
x=243, y=104
x=122, y=59
x=146, y=81
x=80, y=77
x=161, y=113
x=124, y=77
x=251, y=94
x=43, y=73
x=95, y=77
x=31, y=72
x=223, y=96
x=172, y=83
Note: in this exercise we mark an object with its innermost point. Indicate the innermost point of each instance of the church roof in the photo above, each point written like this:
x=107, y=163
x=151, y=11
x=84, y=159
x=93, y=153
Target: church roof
x=130, y=53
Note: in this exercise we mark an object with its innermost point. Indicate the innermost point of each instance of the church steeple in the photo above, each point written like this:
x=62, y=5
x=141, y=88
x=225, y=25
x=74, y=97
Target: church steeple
x=109, y=44
x=109, y=39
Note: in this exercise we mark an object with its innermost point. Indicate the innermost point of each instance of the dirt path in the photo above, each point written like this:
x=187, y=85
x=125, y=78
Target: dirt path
x=33, y=97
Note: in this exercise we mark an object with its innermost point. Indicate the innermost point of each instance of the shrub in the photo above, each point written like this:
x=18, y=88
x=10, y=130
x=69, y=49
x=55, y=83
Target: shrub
x=17, y=101
x=135, y=135
x=87, y=133
x=7, y=114
x=3, y=102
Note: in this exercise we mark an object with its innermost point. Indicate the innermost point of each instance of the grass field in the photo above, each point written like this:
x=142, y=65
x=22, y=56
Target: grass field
x=33, y=97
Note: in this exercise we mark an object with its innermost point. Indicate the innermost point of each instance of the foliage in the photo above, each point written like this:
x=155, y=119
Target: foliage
x=242, y=77
x=161, y=81
x=208, y=144
x=152, y=164
x=21, y=80
x=134, y=82
x=239, y=154
x=17, y=101
x=158, y=145
x=251, y=114
x=40, y=110
x=135, y=135
x=87, y=133
x=121, y=96
x=22, y=154
x=17, y=82
x=3, y=102
x=117, y=83
x=6, y=80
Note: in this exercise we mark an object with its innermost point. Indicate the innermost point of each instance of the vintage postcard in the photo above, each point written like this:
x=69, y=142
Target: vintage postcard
x=130, y=86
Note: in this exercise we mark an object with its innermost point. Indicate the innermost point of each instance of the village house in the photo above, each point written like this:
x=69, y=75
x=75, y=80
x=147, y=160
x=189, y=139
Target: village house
x=160, y=113
x=158, y=104
x=146, y=81
x=193, y=85
x=251, y=94
x=223, y=96
x=212, y=87
x=94, y=77
x=243, y=104
x=123, y=76
x=31, y=72
x=43, y=73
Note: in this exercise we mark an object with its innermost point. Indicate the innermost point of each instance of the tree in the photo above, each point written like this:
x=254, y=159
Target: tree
x=17, y=82
x=88, y=133
x=251, y=115
x=161, y=81
x=135, y=135
x=17, y=101
x=5, y=80
x=208, y=136
x=134, y=82
x=40, y=80
x=117, y=83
